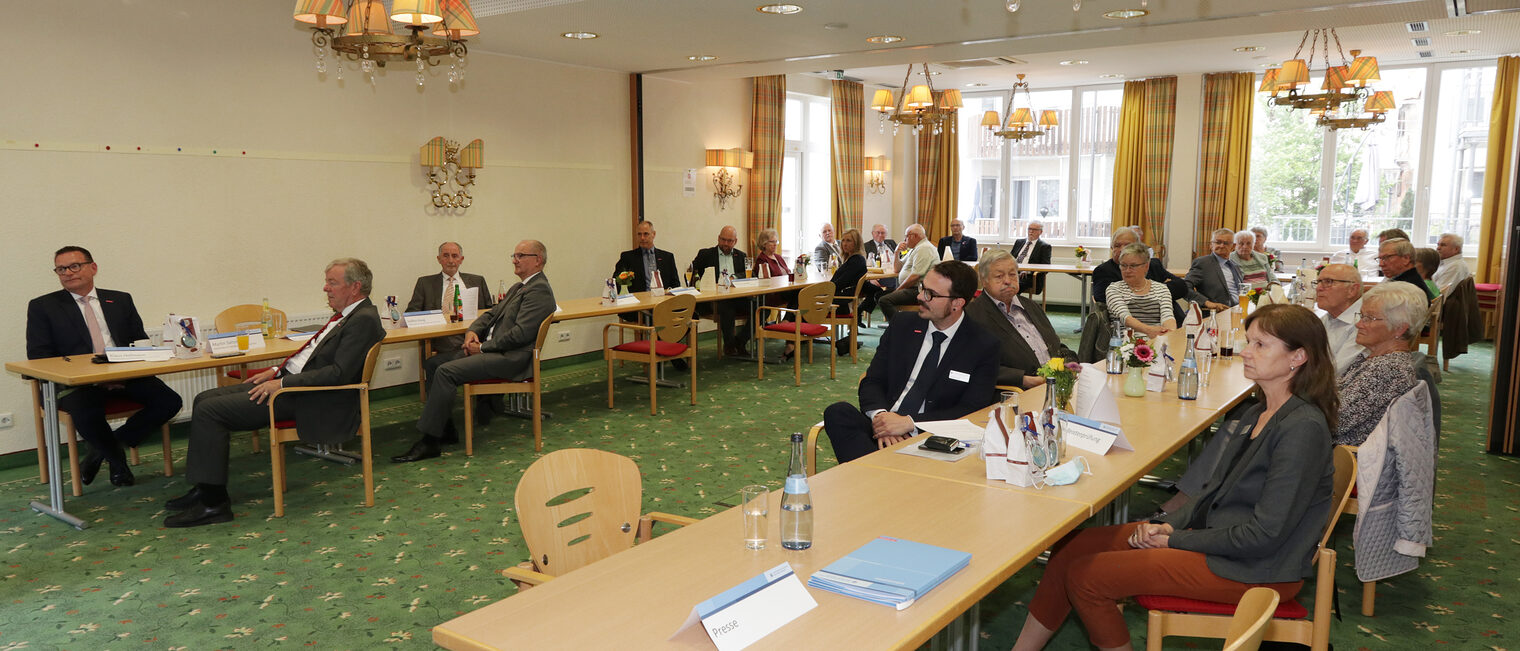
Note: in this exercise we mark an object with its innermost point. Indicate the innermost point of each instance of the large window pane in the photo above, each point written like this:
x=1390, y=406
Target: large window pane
x=1044, y=163
x=981, y=166
x=805, y=181
x=1460, y=149
x=1286, y=149
x=1375, y=168
x=1097, y=145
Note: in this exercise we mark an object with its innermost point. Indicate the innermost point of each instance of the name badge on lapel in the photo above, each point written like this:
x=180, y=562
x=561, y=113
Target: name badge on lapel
x=960, y=376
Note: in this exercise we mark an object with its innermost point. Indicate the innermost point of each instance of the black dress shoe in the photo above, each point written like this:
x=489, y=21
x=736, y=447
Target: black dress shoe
x=451, y=435
x=185, y=501
x=424, y=449
x=121, y=474
x=90, y=467
x=484, y=413
x=679, y=364
x=200, y=515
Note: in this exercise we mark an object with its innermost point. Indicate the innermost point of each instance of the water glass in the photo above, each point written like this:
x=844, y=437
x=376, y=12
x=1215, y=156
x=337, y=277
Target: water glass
x=1010, y=402
x=754, y=501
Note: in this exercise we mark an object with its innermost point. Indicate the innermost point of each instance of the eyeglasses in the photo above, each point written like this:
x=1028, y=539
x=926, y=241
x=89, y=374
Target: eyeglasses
x=1223, y=242
x=1133, y=266
x=1363, y=316
x=1331, y=282
x=925, y=291
x=70, y=268
x=519, y=256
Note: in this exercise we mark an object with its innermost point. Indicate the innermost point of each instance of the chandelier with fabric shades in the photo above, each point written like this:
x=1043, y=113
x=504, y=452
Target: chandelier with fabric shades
x=361, y=30
x=1021, y=124
x=1346, y=100
x=917, y=107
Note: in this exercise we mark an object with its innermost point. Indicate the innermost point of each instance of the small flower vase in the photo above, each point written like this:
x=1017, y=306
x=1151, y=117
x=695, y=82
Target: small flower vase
x=623, y=288
x=1134, y=382
x=1056, y=400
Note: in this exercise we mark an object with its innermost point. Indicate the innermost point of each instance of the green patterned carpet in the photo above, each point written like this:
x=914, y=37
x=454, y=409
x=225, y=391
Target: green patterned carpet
x=333, y=574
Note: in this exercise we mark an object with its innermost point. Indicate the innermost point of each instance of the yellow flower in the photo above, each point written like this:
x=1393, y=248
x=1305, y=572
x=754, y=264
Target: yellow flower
x=1056, y=364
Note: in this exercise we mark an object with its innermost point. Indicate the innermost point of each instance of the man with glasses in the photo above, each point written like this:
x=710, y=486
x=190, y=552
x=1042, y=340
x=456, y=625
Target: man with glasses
x=912, y=266
x=1025, y=337
x=724, y=258
x=1032, y=250
x=1215, y=278
x=932, y=365
x=82, y=320
x=960, y=246
x=1338, y=294
x=498, y=346
x=1396, y=260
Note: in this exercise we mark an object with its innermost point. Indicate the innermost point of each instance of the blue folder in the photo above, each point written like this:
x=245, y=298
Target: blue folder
x=890, y=571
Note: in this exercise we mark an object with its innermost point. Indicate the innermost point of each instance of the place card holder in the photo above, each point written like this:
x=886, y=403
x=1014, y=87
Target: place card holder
x=423, y=318
x=741, y=615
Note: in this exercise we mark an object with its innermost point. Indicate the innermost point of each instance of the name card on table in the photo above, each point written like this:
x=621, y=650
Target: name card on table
x=153, y=354
x=228, y=342
x=424, y=318
x=741, y=615
x=685, y=290
x=747, y=282
x=469, y=303
x=626, y=299
x=1094, y=436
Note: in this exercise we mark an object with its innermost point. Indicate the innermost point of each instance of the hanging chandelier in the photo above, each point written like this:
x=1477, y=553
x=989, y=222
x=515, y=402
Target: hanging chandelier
x=360, y=30
x=1021, y=124
x=917, y=107
x=1346, y=100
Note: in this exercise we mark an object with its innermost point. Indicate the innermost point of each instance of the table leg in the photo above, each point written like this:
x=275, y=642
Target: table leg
x=962, y=633
x=50, y=439
x=1083, y=278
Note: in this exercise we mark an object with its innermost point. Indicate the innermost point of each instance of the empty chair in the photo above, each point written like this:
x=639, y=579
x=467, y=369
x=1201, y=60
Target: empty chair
x=662, y=342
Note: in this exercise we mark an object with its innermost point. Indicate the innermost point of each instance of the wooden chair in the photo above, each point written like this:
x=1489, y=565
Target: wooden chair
x=533, y=386
x=1431, y=336
x=1488, y=305
x=227, y=321
x=284, y=431
x=1290, y=621
x=577, y=506
x=810, y=448
x=815, y=306
x=115, y=408
x=673, y=322
x=1250, y=621
x=839, y=321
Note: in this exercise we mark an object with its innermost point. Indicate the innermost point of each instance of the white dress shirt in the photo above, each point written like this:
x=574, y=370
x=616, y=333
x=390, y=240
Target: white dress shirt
x=298, y=361
x=1342, y=333
x=1453, y=270
x=918, y=261
x=923, y=351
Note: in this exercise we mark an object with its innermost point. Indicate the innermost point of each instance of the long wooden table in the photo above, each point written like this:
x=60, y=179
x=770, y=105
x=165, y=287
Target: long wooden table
x=1083, y=272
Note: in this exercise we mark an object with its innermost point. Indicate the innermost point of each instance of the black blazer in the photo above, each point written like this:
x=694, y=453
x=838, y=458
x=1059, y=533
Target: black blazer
x=55, y=327
x=969, y=353
x=968, y=248
x=633, y=261
x=708, y=257
x=428, y=293
x=871, y=248
x=1040, y=255
x=1016, y=359
x=846, y=277
x=330, y=416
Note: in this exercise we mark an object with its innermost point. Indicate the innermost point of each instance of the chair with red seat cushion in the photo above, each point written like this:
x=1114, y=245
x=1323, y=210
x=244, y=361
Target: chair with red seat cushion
x=1290, y=623
x=673, y=335
x=839, y=321
x=1488, y=304
x=115, y=408
x=810, y=321
x=284, y=431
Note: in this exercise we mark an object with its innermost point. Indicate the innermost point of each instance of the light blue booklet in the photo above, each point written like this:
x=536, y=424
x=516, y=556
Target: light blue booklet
x=890, y=571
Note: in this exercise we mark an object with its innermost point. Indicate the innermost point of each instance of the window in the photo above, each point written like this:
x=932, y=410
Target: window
x=1417, y=171
x=805, y=181
x=1005, y=184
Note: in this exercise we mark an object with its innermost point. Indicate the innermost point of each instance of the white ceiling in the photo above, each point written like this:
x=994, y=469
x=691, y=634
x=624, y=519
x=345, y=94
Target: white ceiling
x=1178, y=36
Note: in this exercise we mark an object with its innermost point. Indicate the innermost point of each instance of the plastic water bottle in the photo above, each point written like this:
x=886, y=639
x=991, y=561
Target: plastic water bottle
x=1187, y=377
x=1115, y=356
x=796, y=502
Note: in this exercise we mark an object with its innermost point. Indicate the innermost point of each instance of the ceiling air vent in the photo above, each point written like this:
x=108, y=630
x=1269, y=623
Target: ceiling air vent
x=1423, y=41
x=497, y=7
x=988, y=62
x=1418, y=27
x=1427, y=54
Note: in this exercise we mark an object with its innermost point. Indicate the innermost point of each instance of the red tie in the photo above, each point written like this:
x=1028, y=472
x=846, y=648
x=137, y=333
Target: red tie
x=306, y=343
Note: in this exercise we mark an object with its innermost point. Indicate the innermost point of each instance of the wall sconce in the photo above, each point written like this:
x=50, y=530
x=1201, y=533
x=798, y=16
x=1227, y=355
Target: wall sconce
x=875, y=166
x=723, y=181
x=444, y=162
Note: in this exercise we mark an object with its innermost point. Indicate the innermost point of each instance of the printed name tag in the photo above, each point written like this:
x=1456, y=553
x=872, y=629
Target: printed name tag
x=959, y=376
x=419, y=319
x=743, y=614
x=228, y=343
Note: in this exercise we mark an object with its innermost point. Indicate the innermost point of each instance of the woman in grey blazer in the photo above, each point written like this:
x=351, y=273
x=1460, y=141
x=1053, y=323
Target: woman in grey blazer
x=1257, y=520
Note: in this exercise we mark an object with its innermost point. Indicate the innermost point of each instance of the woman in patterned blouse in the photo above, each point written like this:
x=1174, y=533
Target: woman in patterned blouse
x=1254, y=269
x=1139, y=302
x=1392, y=314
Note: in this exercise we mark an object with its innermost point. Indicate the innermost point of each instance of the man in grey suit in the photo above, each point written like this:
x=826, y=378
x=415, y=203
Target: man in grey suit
x=1215, y=279
x=333, y=356
x=430, y=291
x=499, y=345
x=827, y=246
x=1025, y=337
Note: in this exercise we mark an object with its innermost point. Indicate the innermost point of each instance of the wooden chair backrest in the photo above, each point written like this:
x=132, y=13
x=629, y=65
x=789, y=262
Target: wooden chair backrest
x=229, y=318
x=814, y=301
x=672, y=316
x=1249, y=625
x=1345, y=478
x=1432, y=332
x=577, y=506
x=371, y=360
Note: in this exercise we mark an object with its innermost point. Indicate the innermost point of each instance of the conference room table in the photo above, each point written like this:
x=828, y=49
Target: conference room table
x=1082, y=271
x=638, y=598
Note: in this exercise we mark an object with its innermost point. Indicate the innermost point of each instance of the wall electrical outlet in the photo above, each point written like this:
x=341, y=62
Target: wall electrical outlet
x=564, y=336
x=392, y=363
x=6, y=420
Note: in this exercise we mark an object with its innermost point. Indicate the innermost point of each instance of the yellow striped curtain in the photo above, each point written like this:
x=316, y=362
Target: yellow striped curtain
x=767, y=139
x=938, y=176
x=1224, y=168
x=1500, y=168
x=1143, y=164
x=847, y=148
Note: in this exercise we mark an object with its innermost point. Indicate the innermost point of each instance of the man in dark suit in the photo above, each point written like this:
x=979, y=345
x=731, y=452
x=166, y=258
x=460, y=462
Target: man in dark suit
x=933, y=365
x=1024, y=333
x=1396, y=261
x=498, y=346
x=961, y=247
x=1215, y=278
x=880, y=247
x=721, y=258
x=1032, y=250
x=827, y=246
x=333, y=356
x=644, y=260
x=432, y=289
x=82, y=320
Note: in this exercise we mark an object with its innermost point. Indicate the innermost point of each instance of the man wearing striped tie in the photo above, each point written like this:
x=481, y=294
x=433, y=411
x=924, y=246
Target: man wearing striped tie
x=81, y=319
x=333, y=356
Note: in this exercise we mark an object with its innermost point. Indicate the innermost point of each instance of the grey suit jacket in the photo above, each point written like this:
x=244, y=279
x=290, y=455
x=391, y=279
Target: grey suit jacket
x=1266, y=514
x=1015, y=358
x=511, y=328
x=333, y=417
x=428, y=295
x=1207, y=282
x=823, y=250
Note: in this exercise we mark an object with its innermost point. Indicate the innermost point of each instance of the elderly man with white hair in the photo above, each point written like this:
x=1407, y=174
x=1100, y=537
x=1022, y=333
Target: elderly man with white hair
x=1392, y=314
x=1453, y=268
x=912, y=266
x=1358, y=254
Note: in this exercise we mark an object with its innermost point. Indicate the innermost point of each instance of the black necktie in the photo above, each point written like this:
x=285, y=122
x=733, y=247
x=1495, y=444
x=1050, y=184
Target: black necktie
x=914, y=402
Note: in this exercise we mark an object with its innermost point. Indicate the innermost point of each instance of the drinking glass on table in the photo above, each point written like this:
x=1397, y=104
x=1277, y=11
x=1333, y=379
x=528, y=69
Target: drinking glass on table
x=1010, y=402
x=754, y=502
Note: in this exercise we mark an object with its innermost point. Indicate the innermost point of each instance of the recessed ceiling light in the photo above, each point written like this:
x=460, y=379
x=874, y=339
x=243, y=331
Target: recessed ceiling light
x=884, y=38
x=1111, y=75
x=1270, y=64
x=1464, y=32
x=1250, y=48
x=1074, y=62
x=701, y=57
x=835, y=26
x=975, y=84
x=784, y=10
x=932, y=73
x=1125, y=14
x=580, y=36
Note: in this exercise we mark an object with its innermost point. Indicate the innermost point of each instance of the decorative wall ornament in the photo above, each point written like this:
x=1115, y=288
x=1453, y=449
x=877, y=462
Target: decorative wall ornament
x=876, y=167
x=724, y=186
x=449, y=167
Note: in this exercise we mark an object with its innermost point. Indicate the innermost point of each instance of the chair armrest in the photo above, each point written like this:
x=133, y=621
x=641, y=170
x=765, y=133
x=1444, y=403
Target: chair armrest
x=1005, y=387
x=362, y=386
x=525, y=577
x=646, y=524
x=774, y=308
x=810, y=449
x=607, y=329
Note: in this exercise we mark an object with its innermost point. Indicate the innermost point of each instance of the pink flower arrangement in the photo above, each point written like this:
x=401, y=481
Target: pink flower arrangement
x=1138, y=353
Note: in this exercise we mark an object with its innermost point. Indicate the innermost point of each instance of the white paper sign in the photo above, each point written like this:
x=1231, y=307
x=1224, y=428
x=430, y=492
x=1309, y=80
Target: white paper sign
x=626, y=299
x=1094, y=436
x=685, y=290
x=159, y=354
x=689, y=182
x=1093, y=398
x=469, y=302
x=227, y=342
x=743, y=614
x=746, y=282
x=424, y=318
